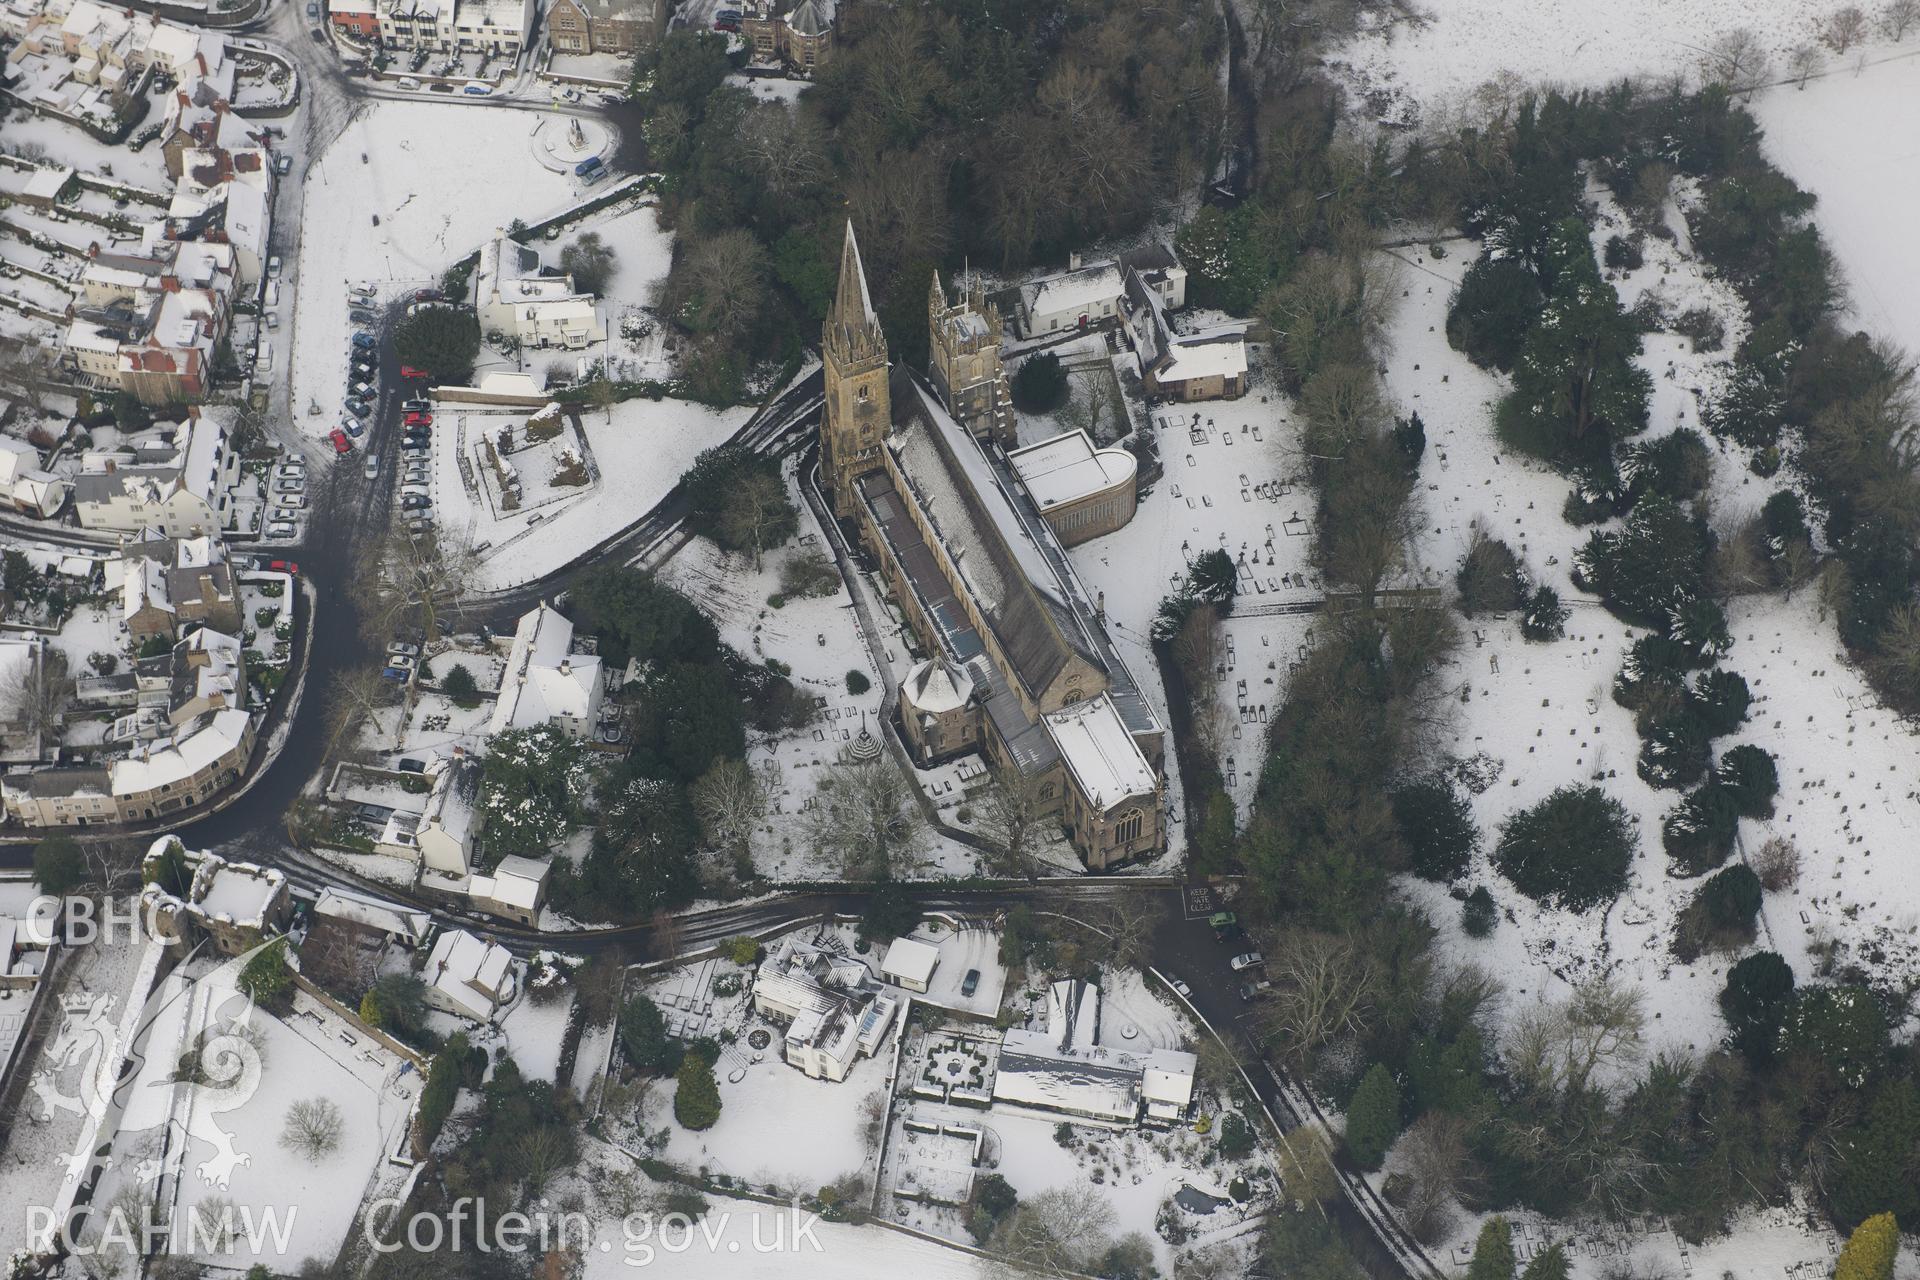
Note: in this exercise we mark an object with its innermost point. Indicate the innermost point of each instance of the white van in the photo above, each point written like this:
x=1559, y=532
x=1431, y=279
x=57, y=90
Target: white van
x=409, y=82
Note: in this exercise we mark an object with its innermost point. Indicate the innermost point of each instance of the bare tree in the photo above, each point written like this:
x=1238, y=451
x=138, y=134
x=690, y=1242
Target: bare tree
x=1323, y=986
x=312, y=1128
x=1737, y=60
x=1845, y=27
x=1560, y=1047
x=1011, y=821
x=786, y=147
x=866, y=820
x=1803, y=61
x=718, y=285
x=1439, y=1164
x=730, y=801
x=544, y=1150
x=1306, y=1166
x=405, y=579
x=1777, y=864
x=36, y=695
x=756, y=514
x=1060, y=1231
x=353, y=695
x=1196, y=651
x=1130, y=921
x=1895, y=665
x=1898, y=17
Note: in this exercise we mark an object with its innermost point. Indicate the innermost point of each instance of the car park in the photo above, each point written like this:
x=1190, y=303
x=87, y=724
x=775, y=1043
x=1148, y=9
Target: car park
x=1246, y=960
x=341, y=444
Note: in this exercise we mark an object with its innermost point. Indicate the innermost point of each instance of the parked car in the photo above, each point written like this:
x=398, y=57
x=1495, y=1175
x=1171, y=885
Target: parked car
x=285, y=513
x=355, y=408
x=588, y=165
x=415, y=491
x=404, y=650
x=292, y=501
x=1185, y=991
x=439, y=88
x=475, y=89
x=417, y=473
x=1246, y=960
x=273, y=322
x=419, y=419
x=427, y=295
x=319, y=36
x=409, y=82
x=417, y=406
x=284, y=566
x=970, y=983
x=283, y=164
x=273, y=267
x=1224, y=925
x=293, y=467
x=290, y=484
x=341, y=444
x=281, y=529
x=414, y=502
x=360, y=388
x=365, y=341
x=1249, y=990
x=352, y=427
x=399, y=661
x=398, y=674
x=360, y=315
x=372, y=469
x=313, y=8
x=409, y=765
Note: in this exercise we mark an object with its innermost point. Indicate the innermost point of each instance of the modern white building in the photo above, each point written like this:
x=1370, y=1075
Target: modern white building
x=546, y=682
x=910, y=963
x=1067, y=1069
x=834, y=1016
x=513, y=296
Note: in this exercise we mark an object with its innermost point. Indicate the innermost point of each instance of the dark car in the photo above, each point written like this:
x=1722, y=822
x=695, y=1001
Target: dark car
x=360, y=316
x=364, y=341
x=409, y=765
x=415, y=502
x=970, y=983
x=426, y=295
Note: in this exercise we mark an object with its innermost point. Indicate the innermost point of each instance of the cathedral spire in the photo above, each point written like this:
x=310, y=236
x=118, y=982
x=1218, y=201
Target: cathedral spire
x=852, y=312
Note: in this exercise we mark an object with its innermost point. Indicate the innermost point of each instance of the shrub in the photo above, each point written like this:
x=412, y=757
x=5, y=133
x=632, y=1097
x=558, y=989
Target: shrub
x=1571, y=850
x=1841, y=1026
x=696, y=1100
x=644, y=1038
x=1040, y=384
x=1479, y=914
x=1436, y=822
x=58, y=866
x=857, y=683
x=1674, y=753
x=1698, y=832
x=1870, y=1250
x=1373, y=1117
x=1545, y=617
x=1720, y=917
x=1656, y=562
x=1493, y=1252
x=1720, y=700
x=458, y=683
x=1750, y=778
x=1700, y=627
x=1705, y=330
x=267, y=978
x=1236, y=1136
x=1489, y=580
x=742, y=950
x=1490, y=313
x=1754, y=1002
x=1677, y=465
x=1777, y=864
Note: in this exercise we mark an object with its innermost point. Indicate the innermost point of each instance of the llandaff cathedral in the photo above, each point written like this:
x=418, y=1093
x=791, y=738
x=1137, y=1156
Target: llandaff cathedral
x=969, y=530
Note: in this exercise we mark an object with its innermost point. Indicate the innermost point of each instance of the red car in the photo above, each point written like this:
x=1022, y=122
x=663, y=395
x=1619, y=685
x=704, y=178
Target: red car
x=341, y=444
x=426, y=295
x=419, y=419
x=408, y=371
x=283, y=566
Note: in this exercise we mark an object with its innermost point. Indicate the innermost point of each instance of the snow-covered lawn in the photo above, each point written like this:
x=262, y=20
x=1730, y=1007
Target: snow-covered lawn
x=61, y=143
x=777, y=1126
x=401, y=162
x=534, y=1031
x=1411, y=68
x=1851, y=140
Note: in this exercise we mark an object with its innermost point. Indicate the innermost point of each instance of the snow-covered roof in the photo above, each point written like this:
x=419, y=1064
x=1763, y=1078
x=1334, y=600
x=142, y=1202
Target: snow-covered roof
x=1072, y=292
x=400, y=922
x=910, y=962
x=239, y=892
x=1221, y=354
x=545, y=678
x=1104, y=758
x=1167, y=1084
x=936, y=685
x=473, y=976
x=143, y=585
x=517, y=882
x=1035, y=1072
x=203, y=742
x=1068, y=467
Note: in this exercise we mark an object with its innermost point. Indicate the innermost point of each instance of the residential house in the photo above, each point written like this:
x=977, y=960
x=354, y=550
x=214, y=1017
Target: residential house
x=1067, y=1069
x=24, y=485
x=602, y=26
x=470, y=978
x=795, y=35
x=546, y=682
x=910, y=963
x=180, y=488
x=496, y=27
x=236, y=905
x=449, y=822
x=165, y=776
x=360, y=17
x=514, y=296
x=170, y=583
x=515, y=889
x=832, y=1014
x=1208, y=364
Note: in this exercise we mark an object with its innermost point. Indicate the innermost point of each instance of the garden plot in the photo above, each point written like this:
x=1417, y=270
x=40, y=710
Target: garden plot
x=642, y=255
x=1410, y=70
x=777, y=1126
x=636, y=451
x=36, y=137
x=266, y=607
x=433, y=726
x=534, y=1032
x=398, y=161
x=1850, y=139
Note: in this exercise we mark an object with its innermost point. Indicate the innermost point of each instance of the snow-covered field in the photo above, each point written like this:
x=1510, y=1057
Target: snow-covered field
x=1853, y=140
x=401, y=162
x=1457, y=46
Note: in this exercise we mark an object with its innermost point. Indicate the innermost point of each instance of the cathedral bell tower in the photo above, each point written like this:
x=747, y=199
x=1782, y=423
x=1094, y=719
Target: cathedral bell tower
x=858, y=413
